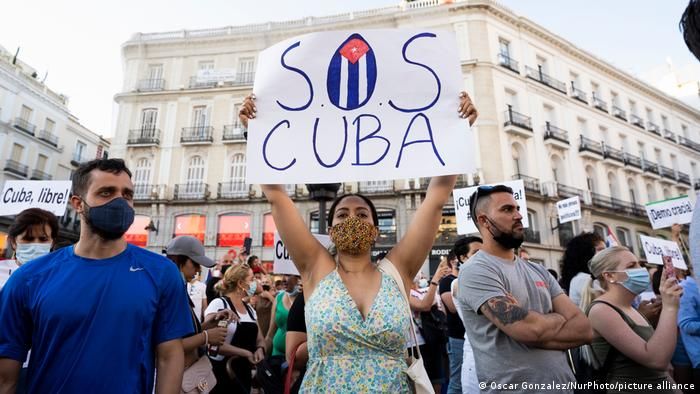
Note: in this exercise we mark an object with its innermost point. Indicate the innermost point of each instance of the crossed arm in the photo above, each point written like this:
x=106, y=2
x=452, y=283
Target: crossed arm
x=564, y=328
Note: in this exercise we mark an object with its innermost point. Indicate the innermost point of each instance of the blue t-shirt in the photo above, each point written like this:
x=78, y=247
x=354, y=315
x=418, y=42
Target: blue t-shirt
x=92, y=325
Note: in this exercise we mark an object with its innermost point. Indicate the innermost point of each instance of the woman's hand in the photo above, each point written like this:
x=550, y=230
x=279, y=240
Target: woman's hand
x=467, y=110
x=671, y=293
x=259, y=355
x=217, y=335
x=250, y=357
x=248, y=110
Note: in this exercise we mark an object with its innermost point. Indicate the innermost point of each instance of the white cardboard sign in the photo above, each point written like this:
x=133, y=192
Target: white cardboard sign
x=359, y=106
x=282, y=263
x=51, y=196
x=465, y=225
x=569, y=210
x=654, y=248
x=666, y=213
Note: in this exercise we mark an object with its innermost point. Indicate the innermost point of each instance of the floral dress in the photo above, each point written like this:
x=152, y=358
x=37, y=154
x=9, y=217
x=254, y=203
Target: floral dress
x=349, y=354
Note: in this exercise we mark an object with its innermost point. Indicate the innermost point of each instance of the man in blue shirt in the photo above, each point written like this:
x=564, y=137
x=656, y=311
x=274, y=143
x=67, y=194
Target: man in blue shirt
x=98, y=315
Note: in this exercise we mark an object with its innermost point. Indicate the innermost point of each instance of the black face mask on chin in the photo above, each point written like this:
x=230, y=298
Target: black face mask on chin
x=506, y=240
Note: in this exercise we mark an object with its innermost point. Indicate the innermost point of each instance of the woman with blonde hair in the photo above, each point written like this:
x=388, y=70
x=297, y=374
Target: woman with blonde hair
x=624, y=342
x=244, y=345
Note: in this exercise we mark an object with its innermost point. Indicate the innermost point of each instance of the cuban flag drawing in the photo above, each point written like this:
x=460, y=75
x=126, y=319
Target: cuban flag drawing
x=352, y=74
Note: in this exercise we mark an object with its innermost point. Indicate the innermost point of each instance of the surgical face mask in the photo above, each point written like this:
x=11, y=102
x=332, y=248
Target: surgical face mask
x=423, y=283
x=111, y=220
x=252, y=288
x=353, y=236
x=28, y=252
x=295, y=291
x=506, y=240
x=637, y=280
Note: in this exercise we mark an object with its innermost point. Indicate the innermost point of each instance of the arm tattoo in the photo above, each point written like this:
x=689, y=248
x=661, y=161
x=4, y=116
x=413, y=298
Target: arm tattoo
x=506, y=309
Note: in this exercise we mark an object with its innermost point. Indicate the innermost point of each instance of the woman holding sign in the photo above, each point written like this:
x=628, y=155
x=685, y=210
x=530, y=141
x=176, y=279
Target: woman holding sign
x=357, y=317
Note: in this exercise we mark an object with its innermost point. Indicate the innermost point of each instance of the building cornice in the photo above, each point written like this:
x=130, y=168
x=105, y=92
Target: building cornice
x=7, y=74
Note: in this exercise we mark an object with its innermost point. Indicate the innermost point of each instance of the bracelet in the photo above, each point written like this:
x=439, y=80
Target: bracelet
x=206, y=338
x=433, y=283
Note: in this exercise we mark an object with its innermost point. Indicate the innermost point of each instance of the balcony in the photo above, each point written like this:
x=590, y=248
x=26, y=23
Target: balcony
x=589, y=148
x=613, y=155
x=376, y=187
x=143, y=191
x=637, y=121
x=151, y=85
x=683, y=178
x=578, y=94
x=619, y=113
x=77, y=159
x=16, y=168
x=564, y=191
x=461, y=182
x=197, y=135
x=40, y=176
x=235, y=190
x=196, y=83
x=508, y=62
x=532, y=185
x=556, y=136
x=668, y=134
x=517, y=123
x=241, y=79
x=600, y=104
x=545, y=79
x=633, y=162
x=650, y=167
x=654, y=128
x=617, y=205
x=688, y=143
x=532, y=236
x=667, y=173
x=233, y=133
x=48, y=137
x=144, y=136
x=24, y=125
x=244, y=79
x=191, y=191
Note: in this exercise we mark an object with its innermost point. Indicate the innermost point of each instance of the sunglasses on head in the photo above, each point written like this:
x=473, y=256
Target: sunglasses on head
x=483, y=191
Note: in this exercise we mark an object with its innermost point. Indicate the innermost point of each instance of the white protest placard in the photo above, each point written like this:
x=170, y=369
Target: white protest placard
x=654, y=248
x=666, y=213
x=465, y=225
x=212, y=75
x=282, y=263
x=569, y=210
x=51, y=196
x=359, y=106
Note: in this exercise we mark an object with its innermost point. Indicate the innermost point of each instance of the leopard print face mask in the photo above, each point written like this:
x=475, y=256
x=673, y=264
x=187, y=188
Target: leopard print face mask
x=353, y=236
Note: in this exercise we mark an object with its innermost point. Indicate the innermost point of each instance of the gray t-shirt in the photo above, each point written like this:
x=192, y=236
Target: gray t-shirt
x=500, y=359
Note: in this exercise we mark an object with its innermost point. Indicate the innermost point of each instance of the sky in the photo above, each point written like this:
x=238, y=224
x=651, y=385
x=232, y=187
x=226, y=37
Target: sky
x=78, y=42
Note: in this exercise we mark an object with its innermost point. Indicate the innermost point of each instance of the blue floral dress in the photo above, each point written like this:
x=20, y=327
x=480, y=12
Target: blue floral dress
x=349, y=354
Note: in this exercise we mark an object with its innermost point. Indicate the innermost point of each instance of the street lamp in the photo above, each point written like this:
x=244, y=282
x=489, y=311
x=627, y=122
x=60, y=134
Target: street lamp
x=322, y=192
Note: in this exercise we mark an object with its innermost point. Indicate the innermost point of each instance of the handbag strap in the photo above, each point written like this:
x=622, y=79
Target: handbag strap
x=388, y=268
x=290, y=369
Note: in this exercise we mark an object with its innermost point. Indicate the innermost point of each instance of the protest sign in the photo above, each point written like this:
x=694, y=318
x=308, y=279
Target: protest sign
x=359, y=106
x=668, y=212
x=282, y=263
x=654, y=248
x=465, y=225
x=569, y=210
x=51, y=196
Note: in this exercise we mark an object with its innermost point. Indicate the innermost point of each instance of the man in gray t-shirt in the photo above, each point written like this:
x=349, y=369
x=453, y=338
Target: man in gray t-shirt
x=517, y=318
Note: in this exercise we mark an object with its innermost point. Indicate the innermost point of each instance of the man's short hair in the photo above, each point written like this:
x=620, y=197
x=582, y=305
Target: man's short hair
x=481, y=197
x=81, y=176
x=461, y=246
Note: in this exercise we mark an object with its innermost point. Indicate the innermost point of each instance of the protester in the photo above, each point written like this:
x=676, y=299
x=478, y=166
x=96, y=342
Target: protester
x=101, y=315
x=356, y=331
x=198, y=295
x=216, y=275
x=31, y=235
x=243, y=346
x=276, y=333
x=574, y=264
x=463, y=249
x=624, y=342
x=686, y=358
x=517, y=318
x=423, y=301
x=297, y=354
x=263, y=303
x=258, y=269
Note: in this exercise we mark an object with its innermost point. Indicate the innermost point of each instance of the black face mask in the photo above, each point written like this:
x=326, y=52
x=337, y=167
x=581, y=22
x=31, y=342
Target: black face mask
x=111, y=220
x=506, y=240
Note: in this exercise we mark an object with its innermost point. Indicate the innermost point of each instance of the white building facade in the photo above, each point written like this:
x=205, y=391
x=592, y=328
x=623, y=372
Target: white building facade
x=551, y=114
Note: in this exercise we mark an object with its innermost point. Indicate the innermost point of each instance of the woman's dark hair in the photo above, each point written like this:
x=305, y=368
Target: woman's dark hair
x=178, y=259
x=656, y=280
x=579, y=251
x=33, y=217
x=251, y=259
x=331, y=212
x=461, y=246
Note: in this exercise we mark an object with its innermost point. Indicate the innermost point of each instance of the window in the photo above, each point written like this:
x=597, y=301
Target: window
x=504, y=47
x=512, y=99
x=650, y=115
x=269, y=229
x=694, y=169
x=595, y=90
x=591, y=181
x=155, y=72
x=194, y=225
x=49, y=126
x=26, y=113
x=137, y=233
x=142, y=178
x=387, y=227
x=614, y=99
x=684, y=131
x=633, y=107
x=205, y=65
x=542, y=64
x=604, y=135
x=664, y=122
x=519, y=159
x=667, y=193
x=674, y=162
x=200, y=120
x=236, y=186
x=575, y=82
x=80, y=149
x=582, y=126
x=624, y=143
x=558, y=171
x=17, y=153
x=549, y=115
x=612, y=184
x=642, y=150
x=233, y=230
x=531, y=233
x=246, y=69
x=651, y=192
x=149, y=118
x=41, y=162
x=194, y=183
x=659, y=157
x=623, y=236
x=566, y=233
x=632, y=187
x=600, y=230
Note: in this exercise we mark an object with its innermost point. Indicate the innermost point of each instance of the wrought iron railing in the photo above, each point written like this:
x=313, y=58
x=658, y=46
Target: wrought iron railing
x=191, y=191
x=587, y=144
x=197, y=134
x=149, y=85
x=145, y=136
x=554, y=132
x=619, y=113
x=545, y=79
x=531, y=184
x=233, y=190
x=48, y=137
x=24, y=125
x=514, y=118
x=233, y=132
x=508, y=62
x=16, y=168
x=40, y=175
